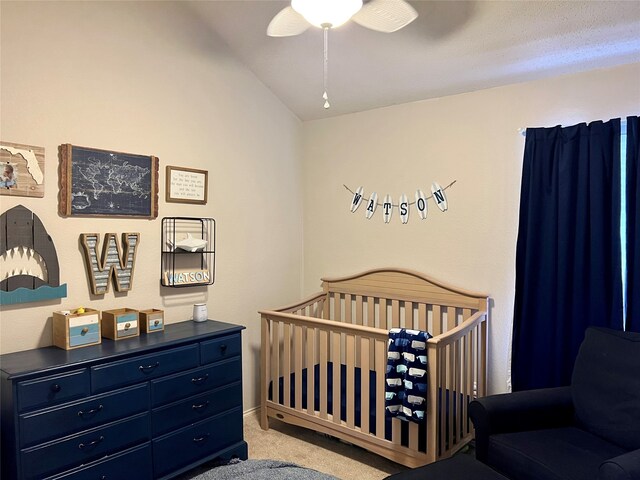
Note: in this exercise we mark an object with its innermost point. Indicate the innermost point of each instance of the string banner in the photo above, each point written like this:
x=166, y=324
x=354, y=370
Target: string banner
x=403, y=206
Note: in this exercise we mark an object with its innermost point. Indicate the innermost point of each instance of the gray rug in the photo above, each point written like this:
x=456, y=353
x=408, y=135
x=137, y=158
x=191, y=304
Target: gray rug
x=262, y=470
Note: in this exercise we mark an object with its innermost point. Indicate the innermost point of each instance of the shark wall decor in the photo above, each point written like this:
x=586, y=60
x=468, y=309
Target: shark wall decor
x=30, y=265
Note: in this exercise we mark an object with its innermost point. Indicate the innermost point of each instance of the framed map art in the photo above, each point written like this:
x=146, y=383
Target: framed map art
x=97, y=182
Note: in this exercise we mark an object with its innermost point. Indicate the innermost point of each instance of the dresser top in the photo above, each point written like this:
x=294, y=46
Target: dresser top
x=52, y=358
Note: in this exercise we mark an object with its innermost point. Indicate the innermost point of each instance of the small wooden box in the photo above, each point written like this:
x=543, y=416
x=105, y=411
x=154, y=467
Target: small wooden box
x=75, y=330
x=120, y=323
x=151, y=320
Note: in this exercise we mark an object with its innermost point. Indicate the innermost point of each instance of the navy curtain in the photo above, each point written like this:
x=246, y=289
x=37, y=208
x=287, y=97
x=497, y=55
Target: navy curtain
x=633, y=224
x=568, y=273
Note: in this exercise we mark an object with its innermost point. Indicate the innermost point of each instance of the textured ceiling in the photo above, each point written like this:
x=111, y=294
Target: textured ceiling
x=452, y=47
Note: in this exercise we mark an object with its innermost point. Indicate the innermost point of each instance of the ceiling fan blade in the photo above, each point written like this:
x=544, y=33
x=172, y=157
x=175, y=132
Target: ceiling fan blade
x=385, y=15
x=287, y=23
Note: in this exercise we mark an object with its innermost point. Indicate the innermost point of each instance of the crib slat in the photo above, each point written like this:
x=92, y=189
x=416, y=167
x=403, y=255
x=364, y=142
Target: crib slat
x=337, y=307
x=311, y=342
x=371, y=322
x=451, y=394
x=482, y=375
x=422, y=317
x=264, y=373
x=441, y=394
x=347, y=308
x=335, y=355
x=451, y=318
x=381, y=367
x=286, y=371
x=436, y=316
x=413, y=436
x=395, y=431
x=275, y=361
x=297, y=355
x=395, y=313
x=408, y=316
x=364, y=385
x=458, y=403
x=383, y=314
x=359, y=309
x=351, y=394
x=463, y=384
x=324, y=391
x=432, y=401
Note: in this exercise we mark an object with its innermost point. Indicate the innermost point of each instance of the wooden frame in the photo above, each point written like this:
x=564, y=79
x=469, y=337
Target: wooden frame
x=96, y=182
x=347, y=324
x=186, y=185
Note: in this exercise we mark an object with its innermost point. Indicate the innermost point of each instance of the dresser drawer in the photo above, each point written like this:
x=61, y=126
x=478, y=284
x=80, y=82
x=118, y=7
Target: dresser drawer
x=56, y=422
x=117, y=467
x=196, y=442
x=52, y=390
x=220, y=348
x=189, y=383
x=53, y=457
x=142, y=368
x=176, y=415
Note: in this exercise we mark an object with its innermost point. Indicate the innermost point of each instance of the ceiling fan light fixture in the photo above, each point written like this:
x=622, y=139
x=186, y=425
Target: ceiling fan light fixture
x=322, y=13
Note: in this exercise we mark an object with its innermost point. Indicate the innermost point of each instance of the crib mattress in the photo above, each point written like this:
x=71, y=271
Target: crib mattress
x=404, y=431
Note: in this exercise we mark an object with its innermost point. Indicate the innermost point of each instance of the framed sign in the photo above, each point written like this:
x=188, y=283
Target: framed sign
x=186, y=185
x=105, y=183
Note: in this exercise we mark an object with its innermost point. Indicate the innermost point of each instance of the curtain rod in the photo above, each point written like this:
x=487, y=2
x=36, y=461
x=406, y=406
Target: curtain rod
x=523, y=130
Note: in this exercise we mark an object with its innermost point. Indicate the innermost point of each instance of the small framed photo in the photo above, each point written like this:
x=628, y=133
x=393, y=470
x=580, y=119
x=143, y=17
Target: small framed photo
x=187, y=185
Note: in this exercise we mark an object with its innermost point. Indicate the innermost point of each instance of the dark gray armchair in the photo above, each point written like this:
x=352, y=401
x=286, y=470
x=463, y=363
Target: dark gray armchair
x=587, y=431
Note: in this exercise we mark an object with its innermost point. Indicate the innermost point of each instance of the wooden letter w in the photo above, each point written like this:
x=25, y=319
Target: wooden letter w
x=113, y=264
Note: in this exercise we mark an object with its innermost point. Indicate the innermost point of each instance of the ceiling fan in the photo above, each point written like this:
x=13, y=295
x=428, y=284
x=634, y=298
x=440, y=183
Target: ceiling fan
x=380, y=15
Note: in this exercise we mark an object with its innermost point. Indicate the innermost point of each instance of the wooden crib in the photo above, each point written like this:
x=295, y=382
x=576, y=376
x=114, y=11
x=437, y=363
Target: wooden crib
x=321, y=356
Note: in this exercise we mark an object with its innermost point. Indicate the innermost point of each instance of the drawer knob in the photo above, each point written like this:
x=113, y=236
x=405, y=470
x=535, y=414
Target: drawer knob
x=148, y=368
x=93, y=443
x=201, y=406
x=84, y=331
x=200, y=380
x=55, y=388
x=201, y=439
x=223, y=348
x=127, y=326
x=82, y=413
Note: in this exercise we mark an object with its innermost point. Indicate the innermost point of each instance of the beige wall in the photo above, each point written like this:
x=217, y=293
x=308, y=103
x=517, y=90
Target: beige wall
x=150, y=78
x=470, y=138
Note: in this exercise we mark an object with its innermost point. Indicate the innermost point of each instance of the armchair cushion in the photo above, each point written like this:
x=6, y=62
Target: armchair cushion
x=519, y=411
x=556, y=454
x=606, y=386
x=623, y=467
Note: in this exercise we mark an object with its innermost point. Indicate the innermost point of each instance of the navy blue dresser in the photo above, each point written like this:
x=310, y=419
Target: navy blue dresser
x=149, y=407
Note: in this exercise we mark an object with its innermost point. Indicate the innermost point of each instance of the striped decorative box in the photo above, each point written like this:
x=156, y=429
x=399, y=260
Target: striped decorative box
x=151, y=320
x=75, y=330
x=120, y=323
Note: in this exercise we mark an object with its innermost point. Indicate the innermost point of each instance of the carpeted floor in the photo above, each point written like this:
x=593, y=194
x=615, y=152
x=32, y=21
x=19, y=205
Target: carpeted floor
x=314, y=450
x=310, y=449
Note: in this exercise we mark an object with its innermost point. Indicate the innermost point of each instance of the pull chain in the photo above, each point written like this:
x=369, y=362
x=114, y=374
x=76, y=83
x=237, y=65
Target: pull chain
x=325, y=79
